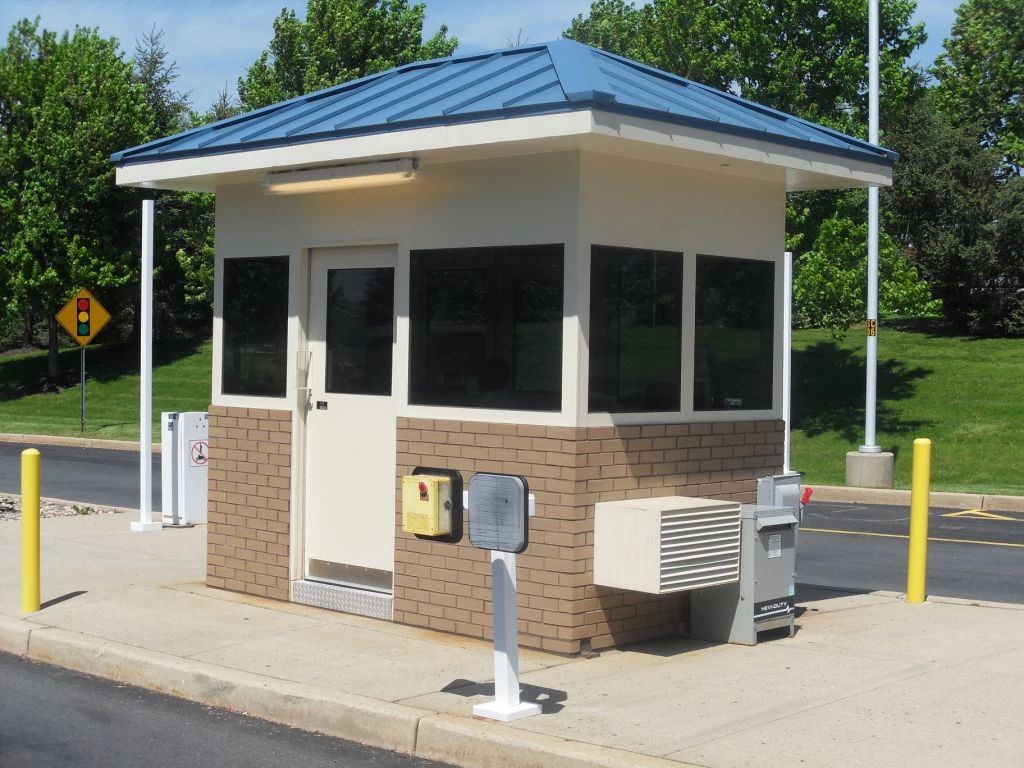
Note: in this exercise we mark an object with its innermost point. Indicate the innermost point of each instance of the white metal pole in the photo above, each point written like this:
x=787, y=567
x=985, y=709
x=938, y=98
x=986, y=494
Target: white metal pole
x=506, y=705
x=870, y=443
x=145, y=522
x=787, y=354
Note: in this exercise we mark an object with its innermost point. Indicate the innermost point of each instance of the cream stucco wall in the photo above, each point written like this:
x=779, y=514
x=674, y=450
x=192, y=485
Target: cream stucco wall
x=574, y=198
x=638, y=204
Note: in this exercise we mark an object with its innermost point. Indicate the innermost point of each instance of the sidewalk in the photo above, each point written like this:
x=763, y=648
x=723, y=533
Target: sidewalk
x=867, y=681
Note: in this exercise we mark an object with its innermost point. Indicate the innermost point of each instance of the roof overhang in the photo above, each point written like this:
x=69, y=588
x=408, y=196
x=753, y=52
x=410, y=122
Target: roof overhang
x=798, y=167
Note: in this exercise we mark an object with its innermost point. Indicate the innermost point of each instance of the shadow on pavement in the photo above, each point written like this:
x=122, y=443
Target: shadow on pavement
x=551, y=700
x=62, y=598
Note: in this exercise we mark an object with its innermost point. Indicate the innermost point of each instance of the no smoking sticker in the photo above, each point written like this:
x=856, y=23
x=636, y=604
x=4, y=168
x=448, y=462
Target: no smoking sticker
x=198, y=453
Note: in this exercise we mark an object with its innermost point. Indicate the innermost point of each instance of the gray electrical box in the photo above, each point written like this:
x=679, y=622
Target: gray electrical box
x=499, y=512
x=763, y=598
x=779, y=490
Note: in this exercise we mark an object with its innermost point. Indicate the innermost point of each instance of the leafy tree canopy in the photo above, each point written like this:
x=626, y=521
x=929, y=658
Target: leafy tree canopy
x=830, y=286
x=981, y=74
x=339, y=40
x=66, y=104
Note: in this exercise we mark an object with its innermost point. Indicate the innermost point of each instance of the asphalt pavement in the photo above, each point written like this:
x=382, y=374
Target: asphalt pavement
x=90, y=475
x=973, y=554
x=54, y=717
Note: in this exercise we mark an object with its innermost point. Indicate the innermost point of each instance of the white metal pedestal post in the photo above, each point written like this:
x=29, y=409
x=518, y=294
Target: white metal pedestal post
x=506, y=705
x=145, y=522
x=787, y=355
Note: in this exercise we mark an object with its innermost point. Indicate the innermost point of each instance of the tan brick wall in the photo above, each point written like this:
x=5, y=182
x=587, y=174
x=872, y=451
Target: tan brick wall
x=249, y=493
x=447, y=587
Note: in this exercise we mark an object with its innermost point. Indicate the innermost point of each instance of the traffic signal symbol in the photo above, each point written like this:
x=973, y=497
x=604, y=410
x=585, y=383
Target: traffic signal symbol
x=83, y=317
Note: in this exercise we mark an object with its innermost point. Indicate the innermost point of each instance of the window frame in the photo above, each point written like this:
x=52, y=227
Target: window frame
x=481, y=411
x=220, y=326
x=586, y=404
x=775, y=356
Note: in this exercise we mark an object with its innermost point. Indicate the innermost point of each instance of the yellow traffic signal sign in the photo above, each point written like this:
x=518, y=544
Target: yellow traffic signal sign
x=83, y=317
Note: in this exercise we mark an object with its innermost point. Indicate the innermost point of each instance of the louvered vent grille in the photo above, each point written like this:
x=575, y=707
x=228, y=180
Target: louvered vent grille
x=666, y=544
x=699, y=548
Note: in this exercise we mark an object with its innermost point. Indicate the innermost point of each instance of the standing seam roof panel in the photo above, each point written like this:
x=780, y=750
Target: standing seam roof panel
x=560, y=76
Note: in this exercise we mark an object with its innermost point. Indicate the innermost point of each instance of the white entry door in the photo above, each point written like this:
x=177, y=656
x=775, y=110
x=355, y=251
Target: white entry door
x=350, y=448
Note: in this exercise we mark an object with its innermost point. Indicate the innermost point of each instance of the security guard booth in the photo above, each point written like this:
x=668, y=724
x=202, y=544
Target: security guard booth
x=546, y=261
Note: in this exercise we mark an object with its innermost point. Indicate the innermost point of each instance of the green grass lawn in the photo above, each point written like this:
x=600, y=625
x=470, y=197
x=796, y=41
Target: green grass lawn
x=966, y=394
x=181, y=382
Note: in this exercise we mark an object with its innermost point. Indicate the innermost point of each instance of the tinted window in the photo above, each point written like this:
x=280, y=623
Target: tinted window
x=732, y=365
x=360, y=330
x=635, y=329
x=486, y=327
x=255, y=326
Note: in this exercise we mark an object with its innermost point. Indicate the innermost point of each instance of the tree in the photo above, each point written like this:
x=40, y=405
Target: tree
x=339, y=40
x=65, y=105
x=799, y=56
x=154, y=70
x=949, y=204
x=981, y=74
x=830, y=284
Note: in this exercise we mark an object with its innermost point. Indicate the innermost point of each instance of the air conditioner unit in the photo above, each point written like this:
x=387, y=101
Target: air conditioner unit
x=666, y=544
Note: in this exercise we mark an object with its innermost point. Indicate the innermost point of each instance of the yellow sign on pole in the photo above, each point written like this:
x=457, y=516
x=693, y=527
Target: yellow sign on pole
x=83, y=317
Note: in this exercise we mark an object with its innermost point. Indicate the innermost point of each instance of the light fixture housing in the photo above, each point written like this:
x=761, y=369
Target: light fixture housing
x=355, y=176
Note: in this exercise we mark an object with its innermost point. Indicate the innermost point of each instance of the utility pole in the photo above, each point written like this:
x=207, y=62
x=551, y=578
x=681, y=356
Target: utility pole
x=869, y=466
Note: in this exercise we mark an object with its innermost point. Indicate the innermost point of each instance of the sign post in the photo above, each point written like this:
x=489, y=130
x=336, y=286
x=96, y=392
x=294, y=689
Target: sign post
x=83, y=317
x=499, y=521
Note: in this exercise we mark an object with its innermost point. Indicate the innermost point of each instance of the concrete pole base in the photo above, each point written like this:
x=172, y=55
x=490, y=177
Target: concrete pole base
x=869, y=470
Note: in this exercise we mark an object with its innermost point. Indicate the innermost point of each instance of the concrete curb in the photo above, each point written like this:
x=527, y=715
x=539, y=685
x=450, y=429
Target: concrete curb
x=75, y=442
x=458, y=740
x=941, y=499
x=474, y=742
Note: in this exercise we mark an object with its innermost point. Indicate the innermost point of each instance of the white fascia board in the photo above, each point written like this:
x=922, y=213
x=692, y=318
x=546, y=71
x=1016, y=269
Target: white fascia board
x=803, y=169
x=797, y=162
x=397, y=144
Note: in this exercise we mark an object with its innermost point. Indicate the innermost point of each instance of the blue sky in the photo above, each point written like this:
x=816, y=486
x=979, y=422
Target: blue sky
x=213, y=42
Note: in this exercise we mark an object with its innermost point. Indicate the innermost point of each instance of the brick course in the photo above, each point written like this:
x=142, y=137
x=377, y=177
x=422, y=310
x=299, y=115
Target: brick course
x=570, y=469
x=247, y=538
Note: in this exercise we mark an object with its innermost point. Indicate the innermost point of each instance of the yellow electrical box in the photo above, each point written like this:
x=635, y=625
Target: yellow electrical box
x=427, y=505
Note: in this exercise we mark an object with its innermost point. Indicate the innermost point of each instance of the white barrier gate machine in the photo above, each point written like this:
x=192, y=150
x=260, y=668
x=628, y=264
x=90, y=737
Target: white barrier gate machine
x=184, y=466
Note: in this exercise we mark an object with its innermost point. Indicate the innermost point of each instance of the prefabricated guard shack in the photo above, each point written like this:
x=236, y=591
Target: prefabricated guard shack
x=546, y=261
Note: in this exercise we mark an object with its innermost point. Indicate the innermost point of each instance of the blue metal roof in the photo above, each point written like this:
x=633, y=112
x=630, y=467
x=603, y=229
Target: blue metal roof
x=559, y=76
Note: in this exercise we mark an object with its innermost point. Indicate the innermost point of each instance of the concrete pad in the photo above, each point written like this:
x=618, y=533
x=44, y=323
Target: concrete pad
x=172, y=622
x=696, y=695
x=14, y=635
x=949, y=717
x=366, y=661
x=925, y=633
x=461, y=741
x=870, y=470
x=94, y=557
x=358, y=718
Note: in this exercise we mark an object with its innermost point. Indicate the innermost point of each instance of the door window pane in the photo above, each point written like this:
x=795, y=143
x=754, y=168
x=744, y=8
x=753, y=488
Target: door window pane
x=486, y=327
x=735, y=327
x=255, y=326
x=360, y=330
x=636, y=300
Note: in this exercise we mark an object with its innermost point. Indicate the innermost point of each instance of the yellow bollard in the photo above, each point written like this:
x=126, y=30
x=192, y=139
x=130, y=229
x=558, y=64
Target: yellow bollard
x=917, y=558
x=30, y=471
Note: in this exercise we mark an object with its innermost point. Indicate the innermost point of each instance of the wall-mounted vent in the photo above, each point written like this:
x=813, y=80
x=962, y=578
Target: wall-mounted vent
x=667, y=544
